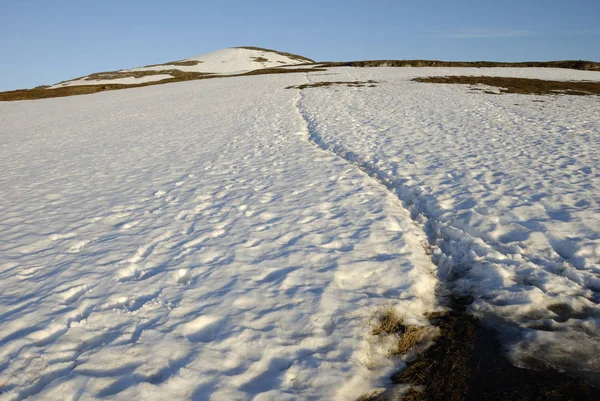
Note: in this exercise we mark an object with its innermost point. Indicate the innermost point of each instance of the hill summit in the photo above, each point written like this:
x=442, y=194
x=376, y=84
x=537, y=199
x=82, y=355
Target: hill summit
x=230, y=61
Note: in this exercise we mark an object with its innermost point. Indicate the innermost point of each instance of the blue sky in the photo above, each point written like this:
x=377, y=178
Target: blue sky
x=43, y=41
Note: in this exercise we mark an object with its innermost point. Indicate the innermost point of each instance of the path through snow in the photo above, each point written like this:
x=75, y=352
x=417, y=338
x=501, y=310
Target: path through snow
x=507, y=190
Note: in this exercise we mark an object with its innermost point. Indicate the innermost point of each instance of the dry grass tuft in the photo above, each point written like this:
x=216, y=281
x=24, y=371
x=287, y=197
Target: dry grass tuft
x=388, y=321
x=409, y=339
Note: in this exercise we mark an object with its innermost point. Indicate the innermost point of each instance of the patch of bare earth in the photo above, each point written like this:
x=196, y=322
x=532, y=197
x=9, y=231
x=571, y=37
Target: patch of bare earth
x=279, y=70
x=177, y=76
x=350, y=84
x=466, y=362
x=569, y=64
x=523, y=86
x=295, y=57
x=182, y=63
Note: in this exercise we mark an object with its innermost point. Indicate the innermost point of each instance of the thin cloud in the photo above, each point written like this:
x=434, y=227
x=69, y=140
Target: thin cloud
x=487, y=34
x=583, y=32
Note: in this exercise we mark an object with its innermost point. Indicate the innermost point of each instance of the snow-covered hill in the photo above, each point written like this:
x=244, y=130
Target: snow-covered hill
x=231, y=61
x=230, y=239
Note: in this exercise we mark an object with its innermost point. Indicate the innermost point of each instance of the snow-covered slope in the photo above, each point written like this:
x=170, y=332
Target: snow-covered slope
x=507, y=188
x=231, y=61
x=187, y=241
x=234, y=60
x=229, y=239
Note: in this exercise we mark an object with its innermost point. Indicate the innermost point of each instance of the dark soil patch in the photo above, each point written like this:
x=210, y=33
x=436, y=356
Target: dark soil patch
x=467, y=363
x=185, y=63
x=521, y=85
x=260, y=59
x=350, y=84
x=178, y=63
x=279, y=70
x=570, y=64
x=296, y=57
x=178, y=76
x=145, y=73
x=44, y=93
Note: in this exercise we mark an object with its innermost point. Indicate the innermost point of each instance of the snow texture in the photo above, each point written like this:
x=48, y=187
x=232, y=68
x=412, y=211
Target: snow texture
x=230, y=239
x=188, y=241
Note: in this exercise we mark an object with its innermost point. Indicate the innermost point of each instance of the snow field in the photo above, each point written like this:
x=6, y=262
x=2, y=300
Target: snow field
x=188, y=241
x=230, y=239
x=507, y=189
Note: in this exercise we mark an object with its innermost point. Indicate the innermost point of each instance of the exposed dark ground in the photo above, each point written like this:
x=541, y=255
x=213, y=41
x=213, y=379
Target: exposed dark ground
x=300, y=59
x=570, y=64
x=522, y=86
x=466, y=362
x=42, y=92
x=351, y=84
